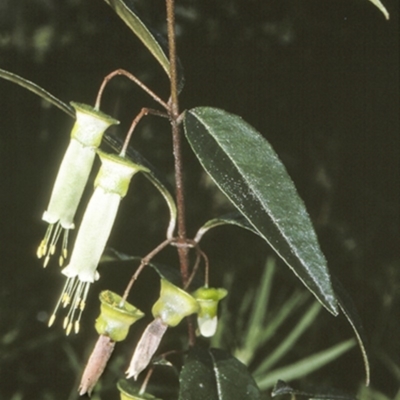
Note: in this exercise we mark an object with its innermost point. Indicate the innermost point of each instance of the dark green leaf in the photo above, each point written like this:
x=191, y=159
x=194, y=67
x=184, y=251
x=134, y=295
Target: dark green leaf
x=150, y=39
x=37, y=90
x=248, y=171
x=349, y=310
x=213, y=374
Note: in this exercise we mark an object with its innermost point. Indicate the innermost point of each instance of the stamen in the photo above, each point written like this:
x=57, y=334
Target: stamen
x=75, y=293
x=64, y=248
x=47, y=246
x=53, y=317
x=42, y=249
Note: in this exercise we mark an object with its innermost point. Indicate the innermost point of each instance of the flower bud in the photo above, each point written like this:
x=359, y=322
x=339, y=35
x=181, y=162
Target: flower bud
x=174, y=304
x=72, y=177
x=208, y=299
x=130, y=393
x=116, y=316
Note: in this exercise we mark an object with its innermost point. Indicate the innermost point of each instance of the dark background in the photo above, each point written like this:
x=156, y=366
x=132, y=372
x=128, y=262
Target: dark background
x=318, y=79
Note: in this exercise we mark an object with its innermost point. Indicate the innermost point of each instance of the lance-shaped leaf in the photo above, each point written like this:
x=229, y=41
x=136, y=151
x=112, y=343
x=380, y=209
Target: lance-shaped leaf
x=38, y=90
x=150, y=39
x=246, y=168
x=213, y=374
x=154, y=41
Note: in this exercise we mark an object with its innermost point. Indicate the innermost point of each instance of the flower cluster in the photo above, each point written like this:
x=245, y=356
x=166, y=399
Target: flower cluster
x=73, y=174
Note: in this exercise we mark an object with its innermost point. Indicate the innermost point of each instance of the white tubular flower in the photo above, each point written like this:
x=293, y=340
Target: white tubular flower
x=111, y=185
x=86, y=136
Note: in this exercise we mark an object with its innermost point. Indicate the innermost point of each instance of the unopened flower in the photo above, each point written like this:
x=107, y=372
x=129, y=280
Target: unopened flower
x=111, y=185
x=208, y=299
x=173, y=305
x=86, y=136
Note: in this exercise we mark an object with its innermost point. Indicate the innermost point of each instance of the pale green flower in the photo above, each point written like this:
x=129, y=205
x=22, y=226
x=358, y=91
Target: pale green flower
x=86, y=136
x=111, y=185
x=173, y=305
x=208, y=299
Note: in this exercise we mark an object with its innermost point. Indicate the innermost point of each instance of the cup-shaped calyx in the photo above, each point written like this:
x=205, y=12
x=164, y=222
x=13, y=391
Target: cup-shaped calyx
x=72, y=177
x=116, y=316
x=128, y=392
x=208, y=299
x=174, y=304
x=111, y=185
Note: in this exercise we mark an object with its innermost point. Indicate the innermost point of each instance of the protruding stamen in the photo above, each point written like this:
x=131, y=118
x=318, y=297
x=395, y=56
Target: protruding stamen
x=51, y=320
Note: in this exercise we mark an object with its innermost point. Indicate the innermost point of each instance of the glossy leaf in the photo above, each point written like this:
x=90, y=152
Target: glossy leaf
x=246, y=168
x=150, y=39
x=349, y=310
x=213, y=374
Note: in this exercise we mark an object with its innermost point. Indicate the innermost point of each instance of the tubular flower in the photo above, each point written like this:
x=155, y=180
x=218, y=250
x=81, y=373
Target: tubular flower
x=208, y=299
x=86, y=136
x=173, y=305
x=111, y=185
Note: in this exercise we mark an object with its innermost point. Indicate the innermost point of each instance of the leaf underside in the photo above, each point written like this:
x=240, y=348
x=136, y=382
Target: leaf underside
x=246, y=168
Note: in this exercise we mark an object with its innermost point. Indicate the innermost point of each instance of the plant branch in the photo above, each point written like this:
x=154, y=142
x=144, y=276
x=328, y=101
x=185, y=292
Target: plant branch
x=177, y=150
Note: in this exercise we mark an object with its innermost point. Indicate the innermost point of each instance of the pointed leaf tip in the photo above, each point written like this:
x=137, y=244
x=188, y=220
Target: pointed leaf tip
x=246, y=168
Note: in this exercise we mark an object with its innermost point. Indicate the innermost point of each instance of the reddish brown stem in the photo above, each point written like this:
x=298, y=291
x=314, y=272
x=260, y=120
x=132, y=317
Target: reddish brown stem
x=132, y=78
x=177, y=150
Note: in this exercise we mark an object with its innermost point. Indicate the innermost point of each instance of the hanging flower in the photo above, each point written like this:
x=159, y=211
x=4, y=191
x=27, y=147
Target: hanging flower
x=111, y=185
x=116, y=317
x=86, y=136
x=173, y=305
x=208, y=299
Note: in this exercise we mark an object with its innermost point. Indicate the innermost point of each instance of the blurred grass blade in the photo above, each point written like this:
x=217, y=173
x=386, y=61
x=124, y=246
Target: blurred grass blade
x=305, y=366
x=349, y=310
x=282, y=388
x=34, y=88
x=289, y=307
x=307, y=319
x=258, y=312
x=381, y=7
